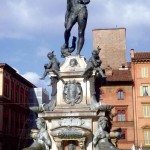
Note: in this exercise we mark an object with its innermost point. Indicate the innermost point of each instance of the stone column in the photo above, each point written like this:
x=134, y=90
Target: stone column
x=59, y=145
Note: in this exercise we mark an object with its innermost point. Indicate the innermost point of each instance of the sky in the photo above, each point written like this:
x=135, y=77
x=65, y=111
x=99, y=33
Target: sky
x=29, y=29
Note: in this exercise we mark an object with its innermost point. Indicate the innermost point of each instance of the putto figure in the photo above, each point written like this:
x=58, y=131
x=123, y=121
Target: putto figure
x=42, y=139
x=94, y=63
x=76, y=13
x=52, y=66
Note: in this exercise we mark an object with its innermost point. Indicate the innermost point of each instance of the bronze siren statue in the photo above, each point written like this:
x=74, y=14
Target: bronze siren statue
x=42, y=139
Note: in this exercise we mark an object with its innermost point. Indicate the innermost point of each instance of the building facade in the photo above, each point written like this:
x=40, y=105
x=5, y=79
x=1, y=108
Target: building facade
x=126, y=87
x=14, y=108
x=117, y=91
x=141, y=97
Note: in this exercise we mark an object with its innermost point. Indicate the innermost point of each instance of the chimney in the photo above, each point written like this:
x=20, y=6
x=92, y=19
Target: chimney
x=123, y=67
x=132, y=53
x=108, y=71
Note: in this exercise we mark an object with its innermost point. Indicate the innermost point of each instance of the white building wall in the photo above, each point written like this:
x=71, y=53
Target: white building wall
x=39, y=96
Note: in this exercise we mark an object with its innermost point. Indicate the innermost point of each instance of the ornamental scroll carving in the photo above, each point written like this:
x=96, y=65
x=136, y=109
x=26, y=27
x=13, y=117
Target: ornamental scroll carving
x=70, y=132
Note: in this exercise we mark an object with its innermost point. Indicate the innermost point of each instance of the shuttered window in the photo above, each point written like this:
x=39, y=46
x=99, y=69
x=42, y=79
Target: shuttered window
x=121, y=115
x=146, y=110
x=147, y=137
x=145, y=90
x=120, y=95
x=144, y=72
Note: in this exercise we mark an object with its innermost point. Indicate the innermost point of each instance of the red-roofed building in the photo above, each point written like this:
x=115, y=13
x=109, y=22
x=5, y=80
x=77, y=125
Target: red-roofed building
x=127, y=88
x=117, y=91
x=140, y=64
x=14, y=108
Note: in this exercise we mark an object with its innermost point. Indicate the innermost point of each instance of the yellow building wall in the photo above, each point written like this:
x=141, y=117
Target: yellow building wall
x=141, y=122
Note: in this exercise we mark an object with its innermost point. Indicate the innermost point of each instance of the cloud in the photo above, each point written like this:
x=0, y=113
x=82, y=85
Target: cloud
x=19, y=19
x=113, y=12
x=35, y=79
x=24, y=20
x=133, y=15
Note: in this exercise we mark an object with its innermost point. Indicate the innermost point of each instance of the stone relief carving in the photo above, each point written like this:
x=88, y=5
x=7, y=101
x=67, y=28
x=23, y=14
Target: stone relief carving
x=71, y=122
x=73, y=62
x=72, y=93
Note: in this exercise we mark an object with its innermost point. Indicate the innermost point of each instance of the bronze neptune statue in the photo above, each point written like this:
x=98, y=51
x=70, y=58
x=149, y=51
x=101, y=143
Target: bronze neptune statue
x=76, y=13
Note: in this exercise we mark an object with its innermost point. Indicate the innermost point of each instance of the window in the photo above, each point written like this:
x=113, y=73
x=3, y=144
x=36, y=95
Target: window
x=17, y=93
x=13, y=122
x=22, y=95
x=144, y=72
x=146, y=110
x=120, y=95
x=145, y=90
x=147, y=136
x=6, y=116
x=17, y=122
x=26, y=99
x=6, y=87
x=121, y=115
x=12, y=90
x=123, y=134
x=17, y=96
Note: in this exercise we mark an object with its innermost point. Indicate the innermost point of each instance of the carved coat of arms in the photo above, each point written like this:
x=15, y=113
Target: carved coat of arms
x=72, y=92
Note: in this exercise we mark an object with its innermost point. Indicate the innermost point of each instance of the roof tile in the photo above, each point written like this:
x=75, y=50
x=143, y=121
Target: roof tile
x=120, y=75
x=142, y=55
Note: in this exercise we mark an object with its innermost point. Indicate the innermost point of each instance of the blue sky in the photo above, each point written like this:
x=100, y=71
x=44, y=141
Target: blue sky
x=29, y=29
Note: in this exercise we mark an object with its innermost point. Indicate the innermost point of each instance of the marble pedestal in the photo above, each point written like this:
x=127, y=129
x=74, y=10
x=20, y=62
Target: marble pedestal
x=72, y=119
